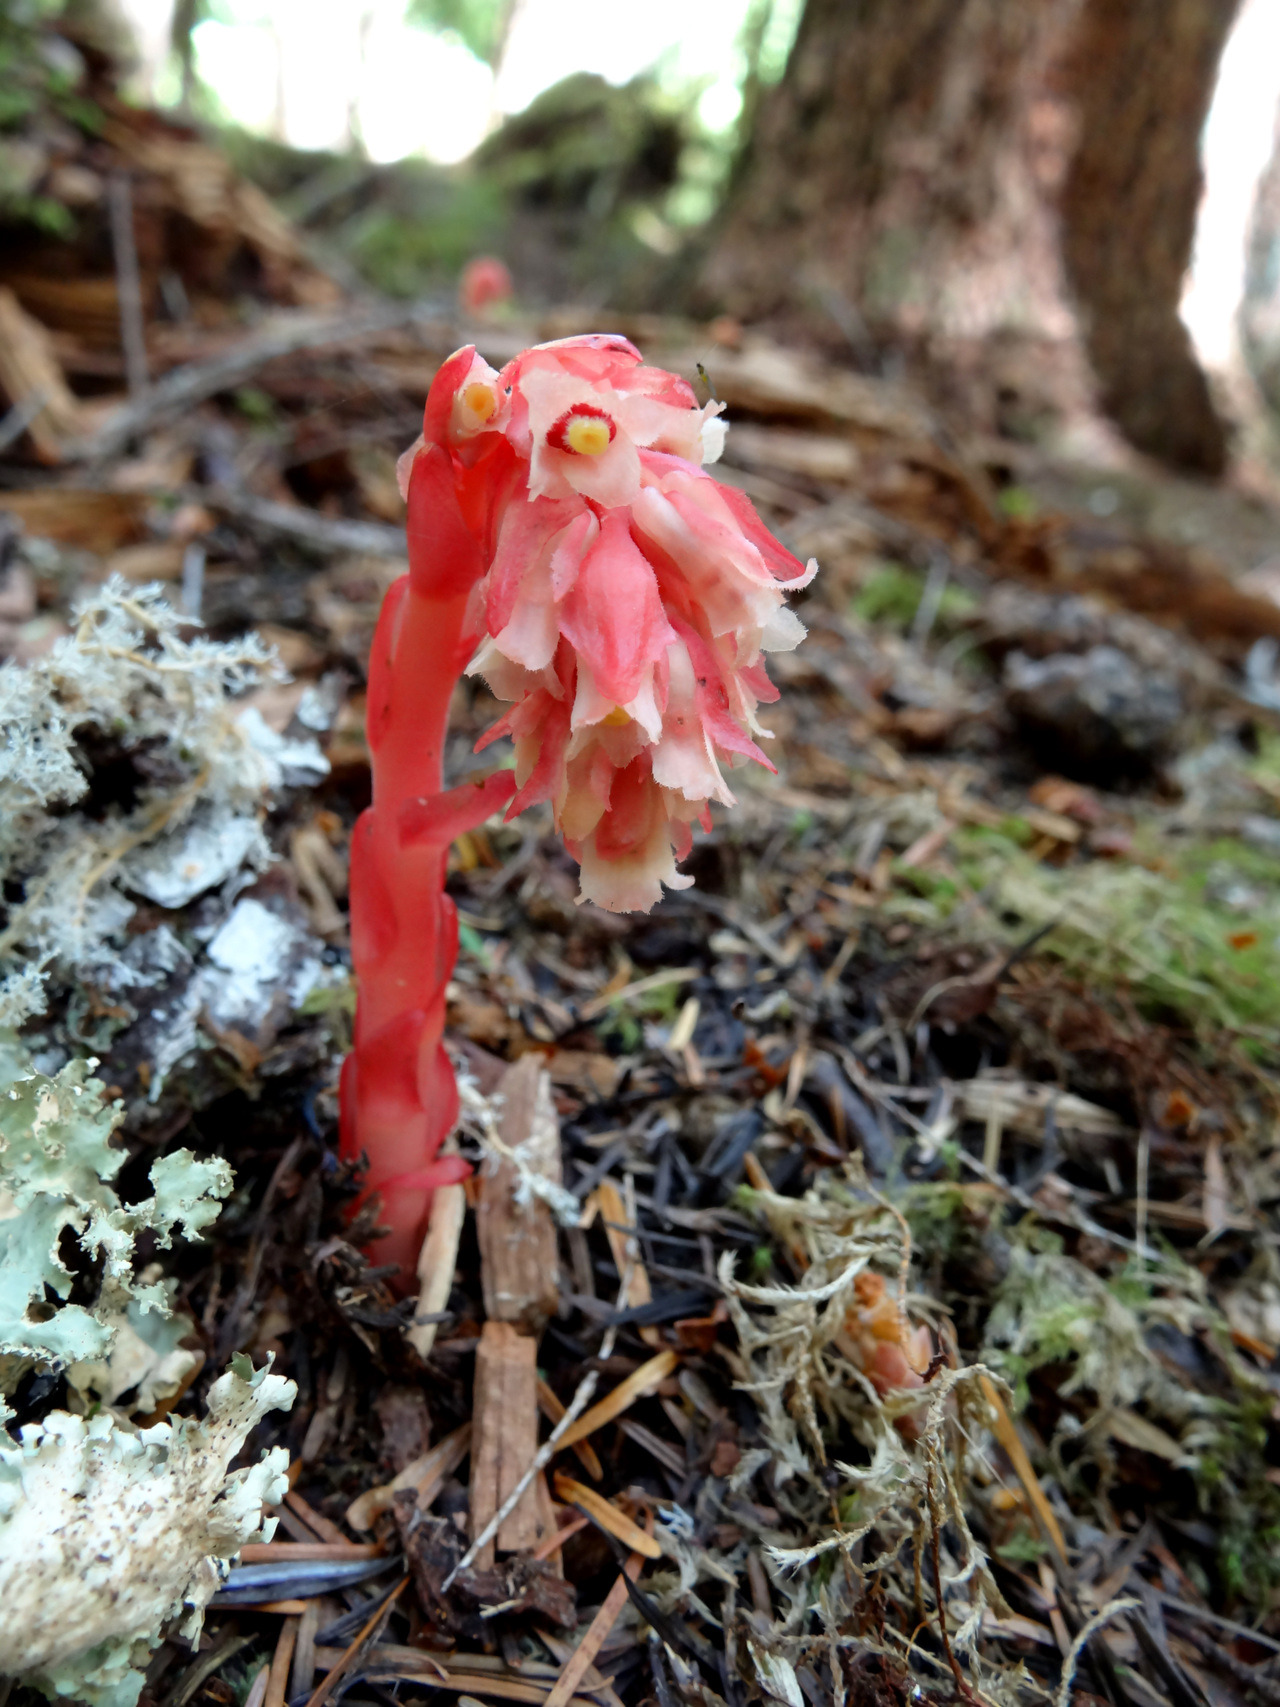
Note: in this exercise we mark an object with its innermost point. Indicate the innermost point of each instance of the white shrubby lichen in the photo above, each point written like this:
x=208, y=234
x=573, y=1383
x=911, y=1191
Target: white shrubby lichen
x=126, y=674
x=107, y=1533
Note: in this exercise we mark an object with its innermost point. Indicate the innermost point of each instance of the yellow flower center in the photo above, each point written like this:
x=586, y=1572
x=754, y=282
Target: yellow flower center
x=587, y=434
x=617, y=718
x=480, y=400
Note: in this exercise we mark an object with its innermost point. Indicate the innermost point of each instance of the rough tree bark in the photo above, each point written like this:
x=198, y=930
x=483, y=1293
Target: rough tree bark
x=1260, y=311
x=882, y=155
x=1140, y=75
x=966, y=166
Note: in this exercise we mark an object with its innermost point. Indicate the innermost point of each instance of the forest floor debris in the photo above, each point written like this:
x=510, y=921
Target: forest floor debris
x=902, y=1291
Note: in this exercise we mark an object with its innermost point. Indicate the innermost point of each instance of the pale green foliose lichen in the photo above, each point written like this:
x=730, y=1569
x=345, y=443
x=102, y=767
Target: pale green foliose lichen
x=56, y=1168
x=107, y=1531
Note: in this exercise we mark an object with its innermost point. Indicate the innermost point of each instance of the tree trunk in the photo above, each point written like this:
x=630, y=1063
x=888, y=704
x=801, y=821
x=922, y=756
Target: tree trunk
x=1260, y=310
x=963, y=167
x=1141, y=75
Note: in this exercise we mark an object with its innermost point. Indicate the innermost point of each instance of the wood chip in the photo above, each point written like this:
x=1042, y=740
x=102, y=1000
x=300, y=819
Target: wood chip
x=96, y=521
x=278, y=1607
x=424, y=1475
x=1022, y=1105
x=1217, y=1205
x=636, y=1386
x=822, y=456
x=153, y=560
x=519, y=1263
x=607, y=1515
x=505, y=1420
x=437, y=1261
x=31, y=375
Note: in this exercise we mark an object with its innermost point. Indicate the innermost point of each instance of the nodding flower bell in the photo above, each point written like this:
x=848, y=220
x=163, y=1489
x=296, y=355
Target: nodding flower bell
x=567, y=545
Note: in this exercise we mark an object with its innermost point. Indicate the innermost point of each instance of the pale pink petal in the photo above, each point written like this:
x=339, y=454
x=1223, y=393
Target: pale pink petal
x=533, y=631
x=648, y=422
x=541, y=740
x=532, y=635
x=734, y=602
x=591, y=355
x=683, y=760
x=628, y=857
x=590, y=705
x=568, y=550
x=783, y=632
x=658, y=383
x=644, y=710
x=508, y=679
x=611, y=480
x=785, y=567
x=613, y=617
x=404, y=466
x=717, y=690
x=527, y=528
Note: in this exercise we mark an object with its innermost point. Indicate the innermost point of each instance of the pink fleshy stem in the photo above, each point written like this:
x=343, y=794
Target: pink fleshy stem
x=399, y=1098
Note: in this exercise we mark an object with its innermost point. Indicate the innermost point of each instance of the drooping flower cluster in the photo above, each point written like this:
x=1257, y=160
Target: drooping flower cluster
x=627, y=601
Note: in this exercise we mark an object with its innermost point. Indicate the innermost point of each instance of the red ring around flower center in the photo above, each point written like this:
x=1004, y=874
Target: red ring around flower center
x=584, y=430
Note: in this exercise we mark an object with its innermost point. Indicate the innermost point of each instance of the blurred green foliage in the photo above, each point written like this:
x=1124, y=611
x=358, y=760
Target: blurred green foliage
x=43, y=74
x=480, y=25
x=891, y=595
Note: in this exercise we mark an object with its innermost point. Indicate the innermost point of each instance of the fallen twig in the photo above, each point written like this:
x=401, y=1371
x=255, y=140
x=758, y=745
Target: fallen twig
x=597, y=1632
x=323, y=533
x=367, y=1634
x=196, y=381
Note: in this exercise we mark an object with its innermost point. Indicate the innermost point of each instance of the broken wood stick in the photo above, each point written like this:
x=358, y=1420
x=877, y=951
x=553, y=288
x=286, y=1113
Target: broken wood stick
x=555, y=1542
x=390, y=1660
x=505, y=1421
x=367, y=1635
x=1008, y=1436
x=315, y=1520
x=303, y=1675
x=519, y=1262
